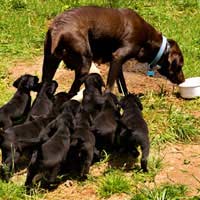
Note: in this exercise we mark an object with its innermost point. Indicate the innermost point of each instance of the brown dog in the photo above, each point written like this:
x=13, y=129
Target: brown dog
x=82, y=35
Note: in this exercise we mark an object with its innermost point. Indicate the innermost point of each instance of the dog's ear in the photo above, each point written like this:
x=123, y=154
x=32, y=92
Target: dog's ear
x=16, y=82
x=52, y=89
x=37, y=87
x=175, y=59
x=36, y=79
x=138, y=101
x=83, y=78
x=100, y=81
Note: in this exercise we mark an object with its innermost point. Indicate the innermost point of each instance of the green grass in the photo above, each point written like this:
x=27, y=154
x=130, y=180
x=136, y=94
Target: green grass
x=165, y=192
x=170, y=121
x=23, y=24
x=11, y=191
x=114, y=182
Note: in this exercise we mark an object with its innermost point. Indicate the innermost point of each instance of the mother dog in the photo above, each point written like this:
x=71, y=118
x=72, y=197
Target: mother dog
x=82, y=35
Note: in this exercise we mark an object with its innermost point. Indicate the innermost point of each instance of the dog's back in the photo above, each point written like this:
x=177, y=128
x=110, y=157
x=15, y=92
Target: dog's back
x=105, y=124
x=43, y=104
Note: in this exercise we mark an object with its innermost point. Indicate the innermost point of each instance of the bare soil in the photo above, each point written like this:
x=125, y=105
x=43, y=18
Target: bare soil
x=181, y=162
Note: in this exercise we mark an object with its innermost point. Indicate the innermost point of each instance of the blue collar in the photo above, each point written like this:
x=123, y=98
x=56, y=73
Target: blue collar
x=160, y=52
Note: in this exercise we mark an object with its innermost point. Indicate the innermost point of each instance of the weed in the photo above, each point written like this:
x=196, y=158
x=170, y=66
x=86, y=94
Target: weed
x=165, y=192
x=16, y=192
x=113, y=182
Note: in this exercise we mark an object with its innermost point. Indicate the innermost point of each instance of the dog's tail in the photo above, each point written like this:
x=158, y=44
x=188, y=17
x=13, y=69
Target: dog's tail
x=145, y=153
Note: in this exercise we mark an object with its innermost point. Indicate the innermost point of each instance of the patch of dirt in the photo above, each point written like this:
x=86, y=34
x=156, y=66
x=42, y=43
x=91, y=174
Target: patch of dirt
x=181, y=162
x=182, y=166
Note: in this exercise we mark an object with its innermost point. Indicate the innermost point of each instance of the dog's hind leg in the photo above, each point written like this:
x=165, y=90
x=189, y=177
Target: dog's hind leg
x=87, y=158
x=50, y=62
x=9, y=165
x=145, y=154
x=32, y=170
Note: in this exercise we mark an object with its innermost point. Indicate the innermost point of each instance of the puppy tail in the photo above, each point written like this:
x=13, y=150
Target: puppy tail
x=145, y=153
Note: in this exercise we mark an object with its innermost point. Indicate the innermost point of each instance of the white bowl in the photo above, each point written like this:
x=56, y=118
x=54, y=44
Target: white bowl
x=190, y=88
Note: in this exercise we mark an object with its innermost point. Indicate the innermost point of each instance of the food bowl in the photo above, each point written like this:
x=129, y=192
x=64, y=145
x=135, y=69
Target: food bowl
x=190, y=88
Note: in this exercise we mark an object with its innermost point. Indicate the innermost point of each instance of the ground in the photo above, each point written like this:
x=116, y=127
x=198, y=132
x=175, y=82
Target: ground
x=181, y=162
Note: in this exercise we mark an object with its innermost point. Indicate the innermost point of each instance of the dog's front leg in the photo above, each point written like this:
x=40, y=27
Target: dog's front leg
x=80, y=71
x=119, y=57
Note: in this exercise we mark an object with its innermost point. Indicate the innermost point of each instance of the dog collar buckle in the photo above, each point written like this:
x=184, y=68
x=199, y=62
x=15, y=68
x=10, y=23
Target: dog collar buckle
x=150, y=71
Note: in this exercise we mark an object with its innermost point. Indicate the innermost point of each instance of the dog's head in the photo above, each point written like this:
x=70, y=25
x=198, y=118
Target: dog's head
x=93, y=80
x=172, y=63
x=59, y=99
x=27, y=82
x=129, y=100
x=111, y=101
x=71, y=106
x=48, y=88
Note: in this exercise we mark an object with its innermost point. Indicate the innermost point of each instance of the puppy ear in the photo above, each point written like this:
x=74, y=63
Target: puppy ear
x=37, y=87
x=52, y=89
x=99, y=81
x=36, y=79
x=83, y=78
x=16, y=82
x=138, y=101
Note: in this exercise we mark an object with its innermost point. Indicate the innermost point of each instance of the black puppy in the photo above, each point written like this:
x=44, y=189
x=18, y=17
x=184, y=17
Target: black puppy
x=82, y=147
x=58, y=101
x=134, y=130
x=53, y=145
x=92, y=95
x=104, y=125
x=43, y=102
x=12, y=145
x=18, y=107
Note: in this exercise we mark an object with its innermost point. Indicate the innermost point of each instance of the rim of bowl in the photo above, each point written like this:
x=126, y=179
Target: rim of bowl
x=191, y=82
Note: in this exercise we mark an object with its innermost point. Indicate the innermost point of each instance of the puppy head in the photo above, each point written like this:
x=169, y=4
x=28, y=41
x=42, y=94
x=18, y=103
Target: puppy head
x=59, y=99
x=111, y=101
x=131, y=99
x=172, y=64
x=72, y=106
x=51, y=88
x=94, y=80
x=26, y=81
